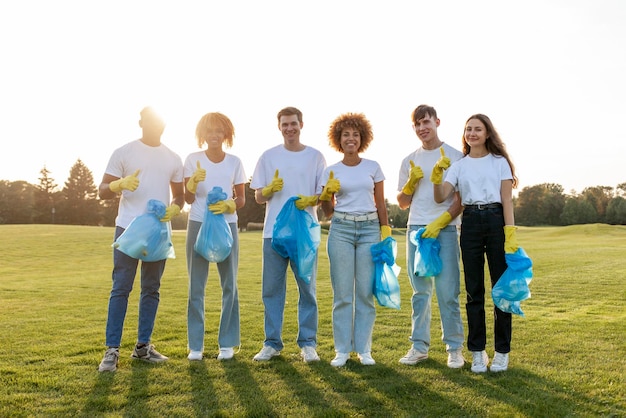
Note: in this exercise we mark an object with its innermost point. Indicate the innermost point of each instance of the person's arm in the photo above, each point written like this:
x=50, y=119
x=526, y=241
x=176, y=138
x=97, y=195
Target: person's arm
x=404, y=200
x=112, y=185
x=442, y=191
x=240, y=195
x=178, y=193
x=328, y=207
x=381, y=208
x=104, y=191
x=506, y=195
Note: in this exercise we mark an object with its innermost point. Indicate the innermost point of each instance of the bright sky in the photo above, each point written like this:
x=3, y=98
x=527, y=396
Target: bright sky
x=551, y=74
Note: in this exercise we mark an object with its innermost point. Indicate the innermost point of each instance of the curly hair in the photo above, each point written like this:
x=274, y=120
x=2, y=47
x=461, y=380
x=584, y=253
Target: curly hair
x=356, y=121
x=493, y=143
x=215, y=120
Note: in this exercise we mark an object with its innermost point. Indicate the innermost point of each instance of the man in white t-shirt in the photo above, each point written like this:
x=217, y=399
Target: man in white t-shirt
x=440, y=221
x=287, y=170
x=139, y=171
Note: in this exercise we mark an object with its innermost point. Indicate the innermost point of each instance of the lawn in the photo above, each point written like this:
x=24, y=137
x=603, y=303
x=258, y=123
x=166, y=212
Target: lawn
x=568, y=354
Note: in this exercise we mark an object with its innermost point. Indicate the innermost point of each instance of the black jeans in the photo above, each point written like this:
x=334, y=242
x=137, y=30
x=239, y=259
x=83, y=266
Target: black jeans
x=482, y=233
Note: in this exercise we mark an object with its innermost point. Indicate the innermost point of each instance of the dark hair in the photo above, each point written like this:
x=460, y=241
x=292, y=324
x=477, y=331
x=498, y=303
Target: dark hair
x=288, y=111
x=493, y=143
x=217, y=120
x=356, y=121
x=423, y=111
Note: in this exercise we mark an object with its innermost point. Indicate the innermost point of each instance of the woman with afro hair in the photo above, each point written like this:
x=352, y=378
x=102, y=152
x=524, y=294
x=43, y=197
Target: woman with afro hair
x=354, y=196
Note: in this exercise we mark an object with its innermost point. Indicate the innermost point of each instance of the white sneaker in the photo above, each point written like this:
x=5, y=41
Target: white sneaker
x=340, y=360
x=413, y=356
x=480, y=359
x=195, y=356
x=226, y=353
x=455, y=359
x=309, y=354
x=500, y=362
x=266, y=353
x=366, y=359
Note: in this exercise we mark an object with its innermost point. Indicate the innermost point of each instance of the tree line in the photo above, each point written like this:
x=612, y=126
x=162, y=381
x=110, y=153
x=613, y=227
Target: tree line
x=77, y=203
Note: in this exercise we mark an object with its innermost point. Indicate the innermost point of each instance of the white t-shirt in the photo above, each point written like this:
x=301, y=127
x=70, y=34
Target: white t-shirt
x=158, y=166
x=356, y=194
x=478, y=180
x=424, y=209
x=225, y=174
x=301, y=172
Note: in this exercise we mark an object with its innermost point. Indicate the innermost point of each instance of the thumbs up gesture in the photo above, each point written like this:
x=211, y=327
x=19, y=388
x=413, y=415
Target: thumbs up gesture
x=198, y=176
x=332, y=186
x=415, y=175
x=436, y=177
x=275, y=186
x=126, y=183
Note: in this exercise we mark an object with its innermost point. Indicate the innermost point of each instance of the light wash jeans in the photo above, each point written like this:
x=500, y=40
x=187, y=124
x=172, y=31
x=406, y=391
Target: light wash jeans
x=124, y=271
x=448, y=288
x=274, y=293
x=352, y=278
x=198, y=270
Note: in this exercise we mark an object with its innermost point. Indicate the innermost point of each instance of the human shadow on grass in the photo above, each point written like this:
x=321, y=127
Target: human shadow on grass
x=247, y=389
x=550, y=398
x=373, y=390
x=202, y=391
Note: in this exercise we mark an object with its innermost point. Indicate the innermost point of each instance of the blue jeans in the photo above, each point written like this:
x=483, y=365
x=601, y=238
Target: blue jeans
x=124, y=270
x=482, y=233
x=352, y=278
x=448, y=288
x=198, y=269
x=274, y=293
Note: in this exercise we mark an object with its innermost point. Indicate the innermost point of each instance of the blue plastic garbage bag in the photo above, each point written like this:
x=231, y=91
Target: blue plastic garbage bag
x=512, y=287
x=427, y=262
x=297, y=236
x=386, y=285
x=147, y=238
x=215, y=239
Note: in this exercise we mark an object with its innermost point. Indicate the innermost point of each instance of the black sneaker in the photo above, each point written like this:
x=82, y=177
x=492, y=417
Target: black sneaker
x=148, y=353
x=109, y=362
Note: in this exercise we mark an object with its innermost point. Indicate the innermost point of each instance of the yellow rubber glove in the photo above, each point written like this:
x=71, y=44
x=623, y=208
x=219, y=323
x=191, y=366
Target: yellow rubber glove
x=223, y=206
x=436, y=177
x=385, y=231
x=126, y=183
x=171, y=211
x=332, y=186
x=433, y=228
x=305, y=201
x=275, y=186
x=197, y=176
x=510, y=240
x=415, y=175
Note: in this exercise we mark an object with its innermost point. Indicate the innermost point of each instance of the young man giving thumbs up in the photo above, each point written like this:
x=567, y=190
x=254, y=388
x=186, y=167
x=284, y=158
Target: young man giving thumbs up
x=440, y=221
x=287, y=170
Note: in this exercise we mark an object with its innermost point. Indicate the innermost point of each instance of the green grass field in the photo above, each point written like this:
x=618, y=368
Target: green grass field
x=568, y=354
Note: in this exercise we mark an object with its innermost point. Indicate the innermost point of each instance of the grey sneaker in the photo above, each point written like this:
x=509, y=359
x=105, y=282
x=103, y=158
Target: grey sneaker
x=149, y=354
x=413, y=356
x=455, y=359
x=500, y=362
x=109, y=362
x=266, y=353
x=479, y=361
x=309, y=354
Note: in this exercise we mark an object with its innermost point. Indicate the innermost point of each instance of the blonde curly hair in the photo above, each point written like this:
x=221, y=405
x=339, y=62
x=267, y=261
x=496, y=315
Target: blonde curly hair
x=215, y=120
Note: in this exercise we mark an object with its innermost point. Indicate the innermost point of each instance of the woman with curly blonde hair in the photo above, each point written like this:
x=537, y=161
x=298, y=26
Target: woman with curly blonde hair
x=204, y=170
x=354, y=196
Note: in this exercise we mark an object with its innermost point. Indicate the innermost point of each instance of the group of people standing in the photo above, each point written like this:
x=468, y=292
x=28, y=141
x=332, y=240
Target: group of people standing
x=476, y=182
